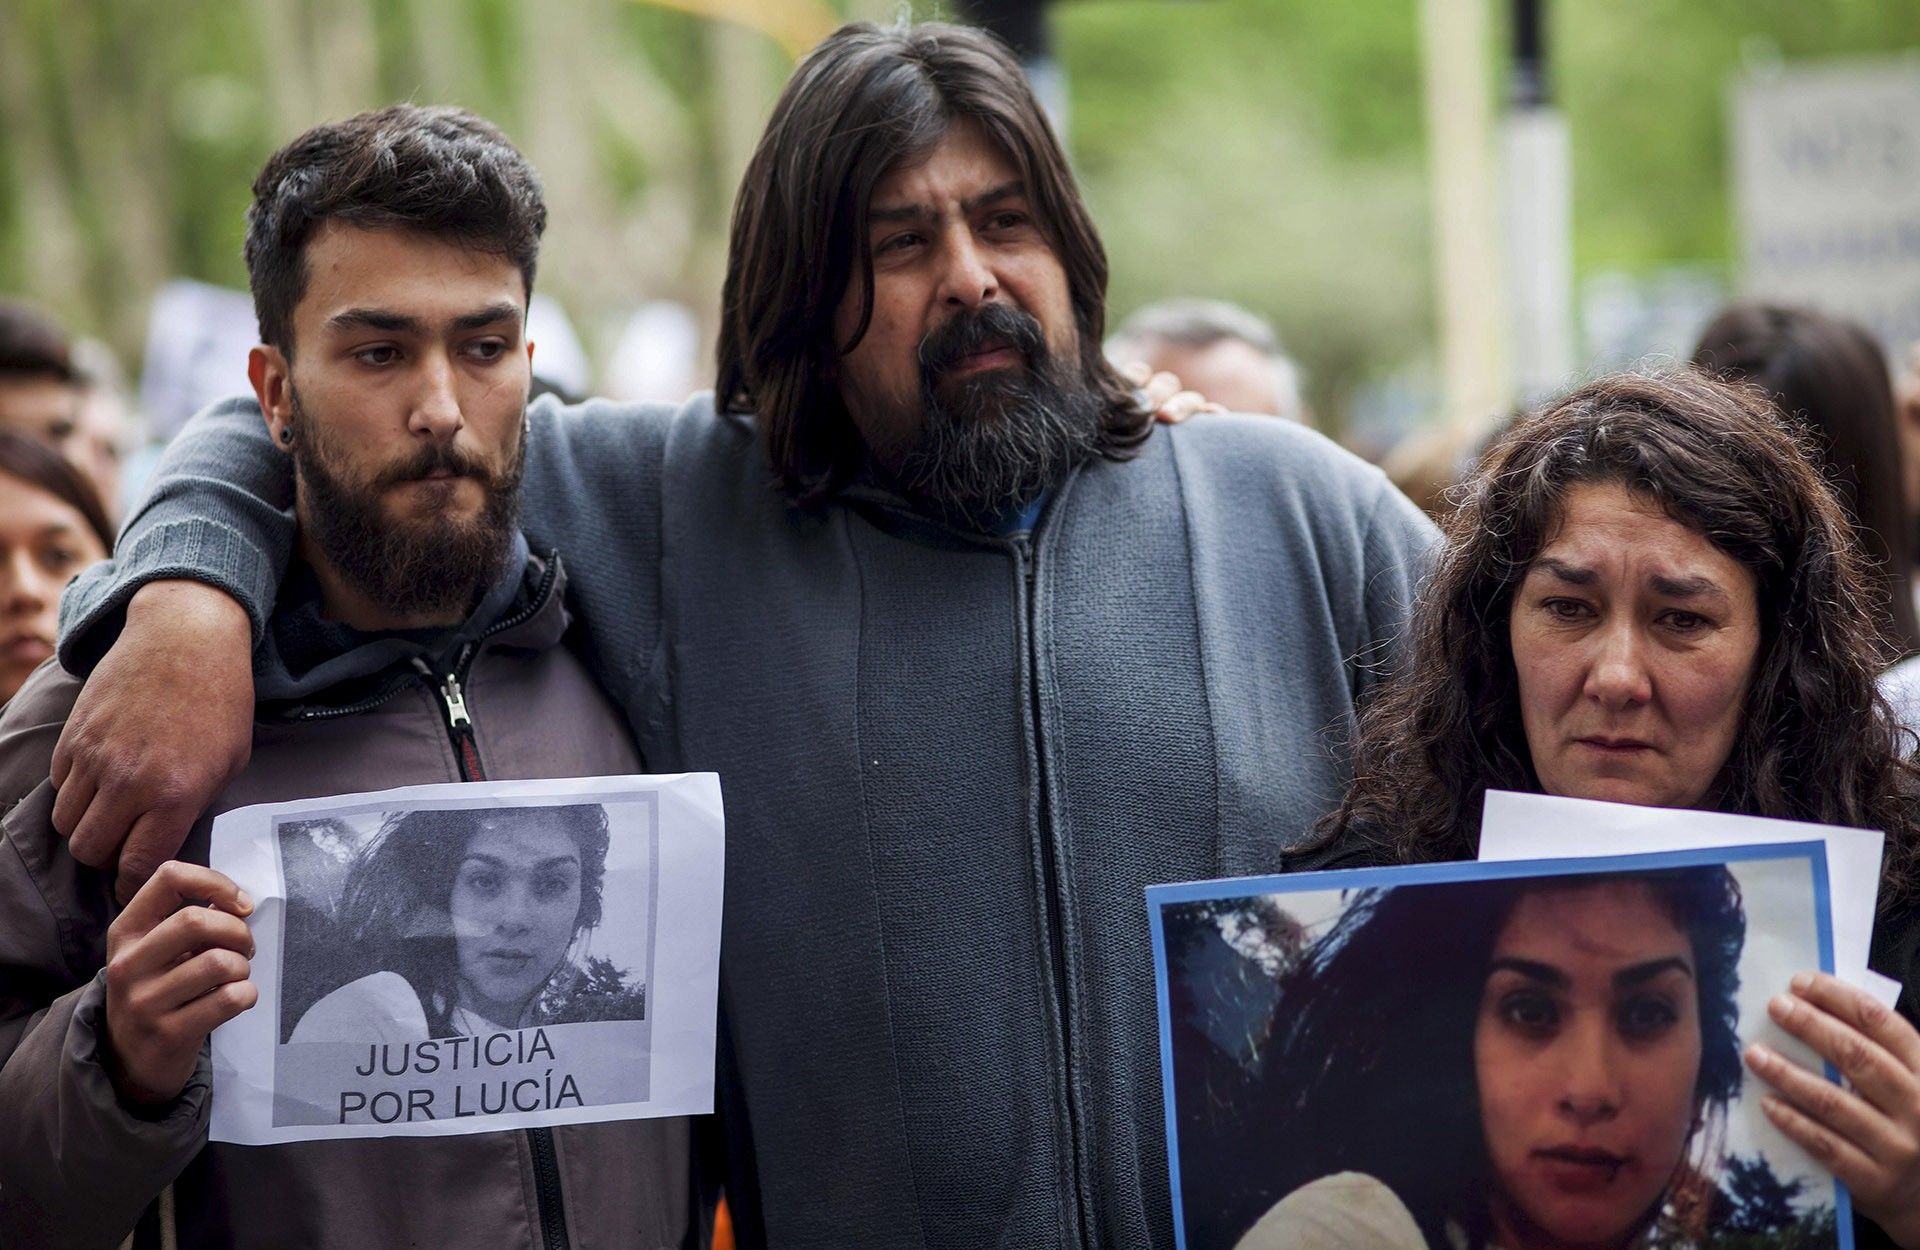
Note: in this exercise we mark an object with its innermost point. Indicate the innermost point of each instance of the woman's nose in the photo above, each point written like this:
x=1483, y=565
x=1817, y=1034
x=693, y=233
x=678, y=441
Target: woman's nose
x=24, y=591
x=512, y=911
x=1590, y=1081
x=1617, y=675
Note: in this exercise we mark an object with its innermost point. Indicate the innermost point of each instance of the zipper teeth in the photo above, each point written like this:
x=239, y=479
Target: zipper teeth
x=525, y=614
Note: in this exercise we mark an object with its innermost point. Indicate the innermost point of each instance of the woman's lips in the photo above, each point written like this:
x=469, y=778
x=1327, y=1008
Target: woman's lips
x=508, y=961
x=1613, y=746
x=27, y=649
x=1580, y=1169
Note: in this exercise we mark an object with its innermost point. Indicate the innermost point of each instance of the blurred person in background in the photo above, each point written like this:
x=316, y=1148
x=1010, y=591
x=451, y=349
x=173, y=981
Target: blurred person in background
x=1217, y=349
x=1907, y=403
x=63, y=393
x=106, y=428
x=40, y=389
x=1830, y=375
x=52, y=525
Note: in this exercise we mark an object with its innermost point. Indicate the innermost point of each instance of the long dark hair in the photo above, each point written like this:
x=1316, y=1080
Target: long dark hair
x=1829, y=373
x=1373, y=1033
x=394, y=912
x=39, y=464
x=868, y=100
x=1816, y=742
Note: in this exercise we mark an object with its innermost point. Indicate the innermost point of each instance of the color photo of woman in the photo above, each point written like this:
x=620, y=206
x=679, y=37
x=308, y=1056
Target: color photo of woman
x=1520, y=1063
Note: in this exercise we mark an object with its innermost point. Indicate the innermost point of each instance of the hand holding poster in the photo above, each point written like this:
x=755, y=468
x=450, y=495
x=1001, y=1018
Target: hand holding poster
x=1518, y=1055
x=458, y=959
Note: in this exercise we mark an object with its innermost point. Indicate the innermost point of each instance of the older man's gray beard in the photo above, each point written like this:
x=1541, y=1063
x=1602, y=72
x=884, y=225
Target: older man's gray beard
x=412, y=567
x=990, y=445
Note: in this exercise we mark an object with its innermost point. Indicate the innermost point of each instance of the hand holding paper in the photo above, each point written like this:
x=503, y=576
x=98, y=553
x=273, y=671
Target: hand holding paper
x=1868, y=1135
x=178, y=960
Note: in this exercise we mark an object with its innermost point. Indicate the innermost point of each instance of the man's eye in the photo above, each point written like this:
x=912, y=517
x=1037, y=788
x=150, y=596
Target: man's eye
x=898, y=242
x=1007, y=221
x=487, y=350
x=377, y=356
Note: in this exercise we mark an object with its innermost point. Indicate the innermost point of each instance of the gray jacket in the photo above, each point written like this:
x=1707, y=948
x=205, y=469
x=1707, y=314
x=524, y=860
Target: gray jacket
x=77, y=1166
x=952, y=762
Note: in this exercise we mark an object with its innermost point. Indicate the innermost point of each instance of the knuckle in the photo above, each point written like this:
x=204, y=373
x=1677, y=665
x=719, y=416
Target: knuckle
x=120, y=974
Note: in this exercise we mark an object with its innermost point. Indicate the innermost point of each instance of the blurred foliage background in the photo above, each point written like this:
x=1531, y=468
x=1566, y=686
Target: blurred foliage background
x=1266, y=151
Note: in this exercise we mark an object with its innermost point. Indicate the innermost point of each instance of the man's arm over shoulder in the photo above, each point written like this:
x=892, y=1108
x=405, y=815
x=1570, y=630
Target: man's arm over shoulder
x=1399, y=548
x=593, y=491
x=76, y=1165
x=220, y=511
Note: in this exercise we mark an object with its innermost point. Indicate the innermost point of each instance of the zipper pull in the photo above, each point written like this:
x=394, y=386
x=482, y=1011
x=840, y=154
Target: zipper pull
x=456, y=702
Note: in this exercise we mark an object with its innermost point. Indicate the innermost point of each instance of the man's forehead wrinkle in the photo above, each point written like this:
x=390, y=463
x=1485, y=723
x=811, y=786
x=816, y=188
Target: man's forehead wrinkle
x=916, y=210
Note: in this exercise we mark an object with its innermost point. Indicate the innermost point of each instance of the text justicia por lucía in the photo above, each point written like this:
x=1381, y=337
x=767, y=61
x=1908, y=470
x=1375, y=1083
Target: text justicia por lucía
x=548, y=1090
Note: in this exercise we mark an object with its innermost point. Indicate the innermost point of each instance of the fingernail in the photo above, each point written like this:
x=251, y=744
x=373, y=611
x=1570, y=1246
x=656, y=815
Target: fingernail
x=1781, y=1005
x=1760, y=1055
x=244, y=900
x=1802, y=982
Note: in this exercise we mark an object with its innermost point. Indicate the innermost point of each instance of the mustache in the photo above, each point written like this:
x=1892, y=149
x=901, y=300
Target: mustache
x=972, y=331
x=434, y=458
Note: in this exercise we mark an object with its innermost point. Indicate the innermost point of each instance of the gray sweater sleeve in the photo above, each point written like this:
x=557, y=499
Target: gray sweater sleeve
x=1398, y=552
x=220, y=511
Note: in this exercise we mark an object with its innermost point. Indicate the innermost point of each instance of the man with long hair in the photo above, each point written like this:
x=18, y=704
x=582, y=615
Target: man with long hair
x=976, y=649
x=415, y=640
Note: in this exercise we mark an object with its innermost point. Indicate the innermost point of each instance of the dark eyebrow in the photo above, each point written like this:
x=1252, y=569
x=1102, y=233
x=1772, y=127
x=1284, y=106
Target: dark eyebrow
x=1640, y=974
x=922, y=212
x=400, y=323
x=1567, y=572
x=1527, y=968
x=374, y=319
x=496, y=862
x=503, y=311
x=1687, y=587
x=1006, y=190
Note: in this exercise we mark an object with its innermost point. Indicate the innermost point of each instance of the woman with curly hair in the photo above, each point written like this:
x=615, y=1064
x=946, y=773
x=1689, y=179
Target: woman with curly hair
x=1555, y=1073
x=462, y=922
x=1650, y=595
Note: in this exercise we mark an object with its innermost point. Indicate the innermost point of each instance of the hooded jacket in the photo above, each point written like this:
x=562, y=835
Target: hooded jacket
x=339, y=713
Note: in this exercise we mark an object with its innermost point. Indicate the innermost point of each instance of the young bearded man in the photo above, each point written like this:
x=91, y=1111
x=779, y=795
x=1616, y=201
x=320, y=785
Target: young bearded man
x=977, y=651
x=414, y=640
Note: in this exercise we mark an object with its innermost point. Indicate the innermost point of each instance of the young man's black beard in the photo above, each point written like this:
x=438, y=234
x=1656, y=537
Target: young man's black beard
x=411, y=567
x=993, y=443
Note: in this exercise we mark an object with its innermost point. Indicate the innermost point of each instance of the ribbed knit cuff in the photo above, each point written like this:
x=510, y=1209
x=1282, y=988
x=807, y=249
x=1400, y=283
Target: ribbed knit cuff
x=94, y=608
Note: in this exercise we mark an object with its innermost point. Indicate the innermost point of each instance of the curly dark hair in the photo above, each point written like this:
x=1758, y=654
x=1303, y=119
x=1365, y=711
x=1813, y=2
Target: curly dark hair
x=1816, y=740
x=393, y=910
x=1351, y=1055
x=442, y=171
